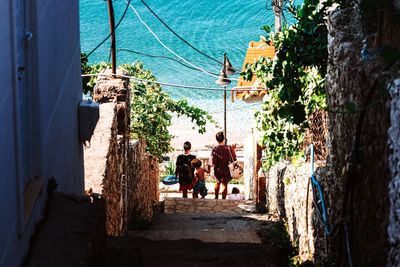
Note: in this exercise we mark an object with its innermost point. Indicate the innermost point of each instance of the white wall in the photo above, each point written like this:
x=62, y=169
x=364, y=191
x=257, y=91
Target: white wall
x=53, y=94
x=8, y=196
x=60, y=92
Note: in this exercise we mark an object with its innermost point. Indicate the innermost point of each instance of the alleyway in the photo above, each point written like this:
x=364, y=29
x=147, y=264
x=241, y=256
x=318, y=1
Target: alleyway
x=199, y=239
x=221, y=233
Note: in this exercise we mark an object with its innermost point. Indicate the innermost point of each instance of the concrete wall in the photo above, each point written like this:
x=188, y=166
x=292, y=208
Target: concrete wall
x=38, y=121
x=249, y=169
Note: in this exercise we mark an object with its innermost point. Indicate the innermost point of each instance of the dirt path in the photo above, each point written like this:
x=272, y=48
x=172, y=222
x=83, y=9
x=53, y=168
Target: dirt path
x=197, y=240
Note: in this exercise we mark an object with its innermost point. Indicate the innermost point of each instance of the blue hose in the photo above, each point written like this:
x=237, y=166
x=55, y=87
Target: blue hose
x=316, y=184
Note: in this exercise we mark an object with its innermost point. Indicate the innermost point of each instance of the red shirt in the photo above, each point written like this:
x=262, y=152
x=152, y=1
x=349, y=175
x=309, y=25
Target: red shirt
x=220, y=160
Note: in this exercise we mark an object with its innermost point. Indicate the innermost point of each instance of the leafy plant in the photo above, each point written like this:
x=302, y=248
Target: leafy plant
x=170, y=169
x=295, y=78
x=151, y=107
x=89, y=82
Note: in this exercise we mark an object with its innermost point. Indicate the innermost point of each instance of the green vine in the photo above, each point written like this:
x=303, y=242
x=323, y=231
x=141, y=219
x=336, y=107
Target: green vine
x=89, y=82
x=295, y=77
x=151, y=107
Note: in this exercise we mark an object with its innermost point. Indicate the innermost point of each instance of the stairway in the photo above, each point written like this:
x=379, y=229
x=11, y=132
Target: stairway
x=192, y=232
x=198, y=232
x=203, y=205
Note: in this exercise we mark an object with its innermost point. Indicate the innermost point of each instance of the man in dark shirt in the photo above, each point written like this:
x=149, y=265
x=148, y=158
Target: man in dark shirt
x=184, y=170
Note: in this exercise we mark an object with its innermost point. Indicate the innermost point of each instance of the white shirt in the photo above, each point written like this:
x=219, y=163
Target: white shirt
x=235, y=197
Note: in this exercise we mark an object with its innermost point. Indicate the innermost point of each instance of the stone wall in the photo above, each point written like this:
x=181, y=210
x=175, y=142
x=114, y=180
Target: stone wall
x=143, y=184
x=394, y=186
x=360, y=184
x=276, y=191
x=358, y=187
x=289, y=196
x=112, y=182
x=117, y=167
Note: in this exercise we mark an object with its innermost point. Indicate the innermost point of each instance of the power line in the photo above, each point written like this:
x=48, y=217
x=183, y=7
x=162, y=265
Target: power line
x=180, y=37
x=115, y=28
x=236, y=88
x=166, y=47
x=156, y=56
x=233, y=109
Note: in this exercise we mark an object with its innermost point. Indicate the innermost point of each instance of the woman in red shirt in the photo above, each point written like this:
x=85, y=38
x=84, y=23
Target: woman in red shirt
x=221, y=157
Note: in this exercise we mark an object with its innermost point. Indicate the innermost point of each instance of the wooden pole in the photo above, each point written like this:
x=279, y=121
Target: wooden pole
x=226, y=140
x=113, y=43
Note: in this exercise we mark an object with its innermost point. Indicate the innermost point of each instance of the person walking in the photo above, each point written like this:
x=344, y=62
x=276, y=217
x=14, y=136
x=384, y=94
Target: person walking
x=184, y=170
x=221, y=156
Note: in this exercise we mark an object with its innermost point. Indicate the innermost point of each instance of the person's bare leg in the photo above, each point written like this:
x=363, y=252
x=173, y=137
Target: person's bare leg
x=184, y=193
x=195, y=195
x=224, y=190
x=216, y=188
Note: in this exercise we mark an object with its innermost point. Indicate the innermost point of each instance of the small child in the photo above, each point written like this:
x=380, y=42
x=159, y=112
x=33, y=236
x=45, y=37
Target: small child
x=235, y=194
x=199, y=174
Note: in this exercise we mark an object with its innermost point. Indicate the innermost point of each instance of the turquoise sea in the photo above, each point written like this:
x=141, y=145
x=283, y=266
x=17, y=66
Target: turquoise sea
x=213, y=26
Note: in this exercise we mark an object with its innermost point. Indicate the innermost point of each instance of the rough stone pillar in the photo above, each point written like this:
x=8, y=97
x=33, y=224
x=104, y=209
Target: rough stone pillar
x=118, y=168
x=394, y=185
x=358, y=188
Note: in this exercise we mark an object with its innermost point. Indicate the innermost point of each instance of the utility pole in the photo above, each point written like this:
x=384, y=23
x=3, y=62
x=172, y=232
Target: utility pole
x=277, y=6
x=113, y=44
x=224, y=81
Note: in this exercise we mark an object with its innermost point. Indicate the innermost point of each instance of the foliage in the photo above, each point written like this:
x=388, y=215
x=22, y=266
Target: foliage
x=88, y=83
x=170, y=169
x=236, y=181
x=295, y=78
x=151, y=107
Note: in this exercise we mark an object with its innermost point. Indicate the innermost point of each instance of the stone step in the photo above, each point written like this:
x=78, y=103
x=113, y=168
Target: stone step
x=212, y=206
x=207, y=227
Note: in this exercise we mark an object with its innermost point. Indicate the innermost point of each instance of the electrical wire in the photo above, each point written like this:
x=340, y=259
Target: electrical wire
x=115, y=28
x=236, y=88
x=234, y=109
x=180, y=37
x=156, y=56
x=169, y=49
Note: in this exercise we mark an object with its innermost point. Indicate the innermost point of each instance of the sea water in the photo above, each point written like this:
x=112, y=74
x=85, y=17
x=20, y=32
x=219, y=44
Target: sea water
x=212, y=26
